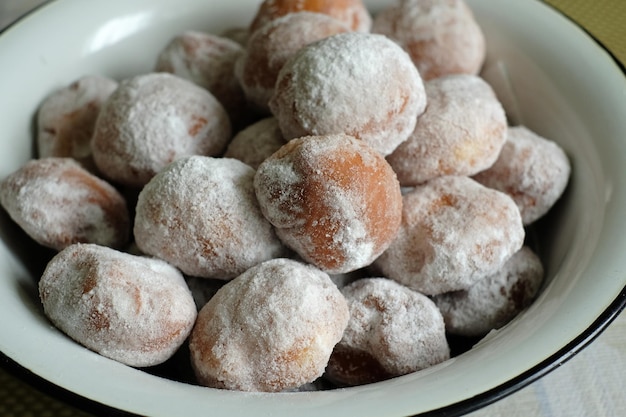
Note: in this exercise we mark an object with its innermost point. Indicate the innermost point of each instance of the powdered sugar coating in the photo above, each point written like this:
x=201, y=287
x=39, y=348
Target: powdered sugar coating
x=209, y=61
x=454, y=233
x=392, y=331
x=494, y=301
x=66, y=119
x=333, y=199
x=272, y=328
x=272, y=45
x=533, y=170
x=441, y=36
x=352, y=13
x=359, y=84
x=256, y=143
x=152, y=120
x=57, y=203
x=132, y=309
x=461, y=132
x=201, y=215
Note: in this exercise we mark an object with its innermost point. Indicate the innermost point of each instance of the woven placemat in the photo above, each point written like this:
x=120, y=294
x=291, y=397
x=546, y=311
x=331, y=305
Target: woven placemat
x=603, y=19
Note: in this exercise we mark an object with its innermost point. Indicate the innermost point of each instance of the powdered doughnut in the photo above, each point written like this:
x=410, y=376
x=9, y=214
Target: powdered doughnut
x=333, y=199
x=152, y=120
x=256, y=142
x=271, y=45
x=132, y=309
x=533, y=170
x=57, y=202
x=494, y=301
x=461, y=132
x=272, y=328
x=392, y=331
x=352, y=13
x=359, y=84
x=208, y=61
x=201, y=215
x=66, y=119
x=441, y=36
x=454, y=233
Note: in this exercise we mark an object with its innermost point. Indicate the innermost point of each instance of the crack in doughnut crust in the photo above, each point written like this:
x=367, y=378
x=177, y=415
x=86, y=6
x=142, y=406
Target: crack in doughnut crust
x=362, y=85
x=454, y=233
x=133, y=309
x=392, y=331
x=333, y=199
x=272, y=328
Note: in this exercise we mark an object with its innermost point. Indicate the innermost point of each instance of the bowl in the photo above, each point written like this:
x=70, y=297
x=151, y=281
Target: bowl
x=549, y=74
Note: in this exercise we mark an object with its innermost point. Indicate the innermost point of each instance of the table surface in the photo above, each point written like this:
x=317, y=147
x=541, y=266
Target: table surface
x=590, y=384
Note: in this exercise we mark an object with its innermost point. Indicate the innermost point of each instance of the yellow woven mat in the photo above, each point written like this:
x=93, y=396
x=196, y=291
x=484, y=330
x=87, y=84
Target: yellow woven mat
x=604, y=19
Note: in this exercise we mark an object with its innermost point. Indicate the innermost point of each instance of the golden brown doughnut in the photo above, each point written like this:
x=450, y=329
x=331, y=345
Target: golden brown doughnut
x=441, y=36
x=461, y=132
x=133, y=309
x=533, y=170
x=454, y=233
x=272, y=45
x=57, y=202
x=332, y=199
x=359, y=84
x=493, y=301
x=200, y=214
x=352, y=13
x=272, y=328
x=152, y=120
x=392, y=331
x=66, y=119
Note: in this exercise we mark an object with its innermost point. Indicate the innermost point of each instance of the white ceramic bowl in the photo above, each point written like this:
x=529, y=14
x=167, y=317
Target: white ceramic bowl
x=564, y=86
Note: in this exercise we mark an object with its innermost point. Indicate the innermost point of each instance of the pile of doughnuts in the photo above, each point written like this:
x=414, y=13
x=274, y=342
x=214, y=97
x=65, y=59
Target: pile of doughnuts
x=326, y=196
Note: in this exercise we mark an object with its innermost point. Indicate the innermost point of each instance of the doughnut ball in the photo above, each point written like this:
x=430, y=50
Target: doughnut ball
x=57, y=202
x=454, y=233
x=152, y=120
x=132, y=309
x=533, y=170
x=461, y=132
x=352, y=13
x=256, y=143
x=66, y=119
x=494, y=301
x=359, y=84
x=332, y=199
x=272, y=328
x=200, y=214
x=392, y=331
x=272, y=45
x=208, y=61
x=441, y=36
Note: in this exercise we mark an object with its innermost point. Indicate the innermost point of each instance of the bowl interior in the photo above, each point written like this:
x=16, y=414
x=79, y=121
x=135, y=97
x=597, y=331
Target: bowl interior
x=550, y=76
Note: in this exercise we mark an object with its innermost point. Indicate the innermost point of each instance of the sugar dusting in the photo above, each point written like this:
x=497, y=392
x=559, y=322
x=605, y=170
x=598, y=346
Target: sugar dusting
x=454, y=232
x=270, y=329
x=362, y=85
x=201, y=215
x=132, y=309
